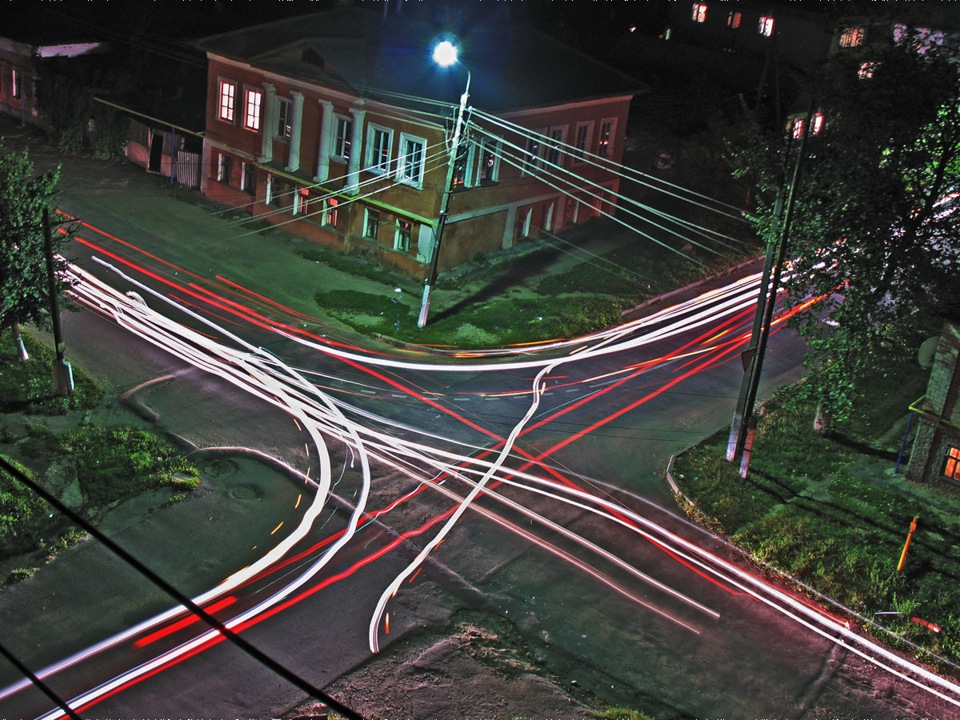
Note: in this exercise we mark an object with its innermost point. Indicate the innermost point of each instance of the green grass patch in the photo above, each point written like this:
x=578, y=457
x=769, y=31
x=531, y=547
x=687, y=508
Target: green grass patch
x=28, y=387
x=831, y=514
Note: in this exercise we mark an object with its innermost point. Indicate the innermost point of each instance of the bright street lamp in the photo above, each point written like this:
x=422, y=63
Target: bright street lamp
x=444, y=54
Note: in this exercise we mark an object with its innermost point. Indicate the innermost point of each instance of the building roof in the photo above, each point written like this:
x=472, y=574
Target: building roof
x=388, y=57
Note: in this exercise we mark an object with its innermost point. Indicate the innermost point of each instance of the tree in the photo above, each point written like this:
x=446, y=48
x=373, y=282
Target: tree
x=876, y=218
x=24, y=278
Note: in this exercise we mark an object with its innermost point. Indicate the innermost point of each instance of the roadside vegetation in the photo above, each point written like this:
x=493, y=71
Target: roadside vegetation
x=831, y=515
x=91, y=469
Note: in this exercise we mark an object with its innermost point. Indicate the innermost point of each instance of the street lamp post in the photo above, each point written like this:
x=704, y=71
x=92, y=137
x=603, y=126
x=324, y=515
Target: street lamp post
x=445, y=55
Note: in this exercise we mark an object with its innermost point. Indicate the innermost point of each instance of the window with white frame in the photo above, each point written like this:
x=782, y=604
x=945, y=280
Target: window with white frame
x=248, y=178
x=253, y=100
x=582, y=140
x=379, y=140
x=402, y=234
x=733, y=19
x=534, y=148
x=330, y=212
x=699, y=13
x=371, y=224
x=342, y=131
x=852, y=37
x=301, y=202
x=608, y=129
x=488, y=161
x=558, y=136
x=284, y=118
x=227, y=102
x=410, y=160
x=765, y=26
x=223, y=168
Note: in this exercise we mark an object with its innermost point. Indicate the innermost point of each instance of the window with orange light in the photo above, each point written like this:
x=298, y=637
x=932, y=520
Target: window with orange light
x=852, y=36
x=799, y=122
x=866, y=70
x=699, y=13
x=951, y=465
x=733, y=19
x=226, y=104
x=765, y=27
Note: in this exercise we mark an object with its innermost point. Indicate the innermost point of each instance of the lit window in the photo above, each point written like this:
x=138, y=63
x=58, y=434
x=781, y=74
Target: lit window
x=799, y=122
x=582, y=141
x=251, y=113
x=951, y=465
x=852, y=37
x=285, y=111
x=248, y=178
x=402, y=235
x=733, y=19
x=16, y=88
x=765, y=26
x=488, y=161
x=557, y=137
x=223, y=168
x=371, y=224
x=330, y=212
x=341, y=142
x=463, y=166
x=699, y=14
x=379, y=140
x=301, y=203
x=866, y=70
x=228, y=101
x=410, y=161
x=605, y=143
x=533, y=150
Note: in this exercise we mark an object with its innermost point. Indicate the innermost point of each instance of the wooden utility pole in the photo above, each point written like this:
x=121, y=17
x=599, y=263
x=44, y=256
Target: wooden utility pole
x=62, y=372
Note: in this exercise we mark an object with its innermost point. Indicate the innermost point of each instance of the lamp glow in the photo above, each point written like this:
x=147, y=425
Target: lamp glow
x=445, y=54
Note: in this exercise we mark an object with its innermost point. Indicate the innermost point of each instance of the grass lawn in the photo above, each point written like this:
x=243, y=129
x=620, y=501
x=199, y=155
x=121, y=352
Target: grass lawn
x=831, y=513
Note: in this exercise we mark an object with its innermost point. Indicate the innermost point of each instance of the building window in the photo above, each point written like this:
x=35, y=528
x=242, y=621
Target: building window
x=765, y=27
x=951, y=465
x=488, y=161
x=532, y=157
x=462, y=166
x=16, y=85
x=852, y=37
x=228, y=101
x=866, y=71
x=279, y=193
x=605, y=144
x=330, y=214
x=582, y=141
x=699, y=13
x=410, y=160
x=223, y=168
x=558, y=136
x=798, y=122
x=733, y=19
x=284, y=114
x=379, y=140
x=301, y=202
x=371, y=224
x=343, y=129
x=402, y=235
x=251, y=111
x=248, y=178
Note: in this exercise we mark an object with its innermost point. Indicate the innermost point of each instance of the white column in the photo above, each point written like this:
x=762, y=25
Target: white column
x=326, y=133
x=293, y=159
x=266, y=139
x=356, y=151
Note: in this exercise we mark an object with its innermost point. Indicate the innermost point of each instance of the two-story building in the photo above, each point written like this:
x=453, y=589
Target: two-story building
x=337, y=126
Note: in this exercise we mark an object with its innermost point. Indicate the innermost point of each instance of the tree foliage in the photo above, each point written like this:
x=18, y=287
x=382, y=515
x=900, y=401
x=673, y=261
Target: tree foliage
x=875, y=222
x=24, y=289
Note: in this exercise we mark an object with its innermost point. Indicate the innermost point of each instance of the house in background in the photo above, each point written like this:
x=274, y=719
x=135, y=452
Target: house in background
x=337, y=126
x=935, y=457
x=20, y=64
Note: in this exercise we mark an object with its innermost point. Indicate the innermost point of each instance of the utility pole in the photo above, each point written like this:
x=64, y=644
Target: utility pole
x=62, y=371
x=740, y=443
